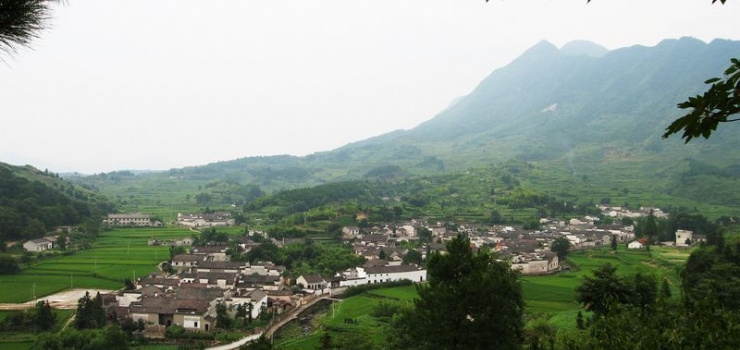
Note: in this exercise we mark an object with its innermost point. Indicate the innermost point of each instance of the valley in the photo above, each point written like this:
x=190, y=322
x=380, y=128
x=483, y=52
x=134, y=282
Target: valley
x=561, y=146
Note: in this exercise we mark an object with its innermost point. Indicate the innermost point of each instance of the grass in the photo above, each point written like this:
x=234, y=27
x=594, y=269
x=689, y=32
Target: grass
x=358, y=309
x=552, y=296
x=115, y=255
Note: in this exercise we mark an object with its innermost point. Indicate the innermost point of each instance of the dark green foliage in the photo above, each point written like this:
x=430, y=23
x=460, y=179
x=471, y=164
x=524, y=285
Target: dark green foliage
x=540, y=335
x=605, y=289
x=711, y=274
x=716, y=105
x=561, y=245
x=613, y=243
x=306, y=258
x=387, y=309
x=109, y=338
x=472, y=301
x=90, y=313
x=39, y=319
x=645, y=292
x=223, y=320
x=413, y=257
x=8, y=265
x=30, y=208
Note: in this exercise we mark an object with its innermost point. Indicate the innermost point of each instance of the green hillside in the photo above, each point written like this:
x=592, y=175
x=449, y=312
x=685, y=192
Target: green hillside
x=33, y=202
x=581, y=116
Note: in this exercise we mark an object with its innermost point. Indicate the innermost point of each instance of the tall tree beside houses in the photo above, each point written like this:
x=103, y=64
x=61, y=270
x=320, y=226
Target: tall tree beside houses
x=472, y=301
x=90, y=312
x=560, y=246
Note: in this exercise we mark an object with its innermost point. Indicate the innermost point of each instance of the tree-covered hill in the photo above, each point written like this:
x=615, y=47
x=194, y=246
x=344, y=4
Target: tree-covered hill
x=33, y=202
x=580, y=113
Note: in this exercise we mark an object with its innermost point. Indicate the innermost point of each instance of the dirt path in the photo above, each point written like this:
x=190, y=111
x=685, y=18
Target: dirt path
x=62, y=300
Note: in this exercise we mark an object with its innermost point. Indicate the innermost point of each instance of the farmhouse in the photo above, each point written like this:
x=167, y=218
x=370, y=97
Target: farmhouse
x=395, y=273
x=38, y=245
x=135, y=219
x=314, y=282
x=684, y=238
x=635, y=245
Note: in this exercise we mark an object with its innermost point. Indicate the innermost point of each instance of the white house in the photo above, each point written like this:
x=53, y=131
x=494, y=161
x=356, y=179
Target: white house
x=395, y=273
x=135, y=219
x=314, y=281
x=38, y=245
x=635, y=245
x=684, y=238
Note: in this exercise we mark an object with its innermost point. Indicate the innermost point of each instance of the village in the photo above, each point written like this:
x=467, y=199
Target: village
x=188, y=292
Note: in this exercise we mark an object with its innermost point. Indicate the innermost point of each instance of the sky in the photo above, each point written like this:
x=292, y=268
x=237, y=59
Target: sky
x=154, y=85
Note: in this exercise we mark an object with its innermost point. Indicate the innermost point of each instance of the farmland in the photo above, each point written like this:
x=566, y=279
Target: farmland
x=115, y=255
x=552, y=297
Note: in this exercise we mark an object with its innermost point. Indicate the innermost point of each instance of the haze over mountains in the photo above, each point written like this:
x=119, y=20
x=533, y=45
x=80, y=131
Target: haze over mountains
x=580, y=109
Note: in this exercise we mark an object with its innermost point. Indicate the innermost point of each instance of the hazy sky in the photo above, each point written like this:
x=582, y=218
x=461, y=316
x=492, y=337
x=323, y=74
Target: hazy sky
x=157, y=84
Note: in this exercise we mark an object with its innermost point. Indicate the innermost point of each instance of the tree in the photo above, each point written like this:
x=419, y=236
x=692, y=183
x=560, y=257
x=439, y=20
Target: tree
x=8, y=265
x=560, y=245
x=21, y=21
x=717, y=105
x=90, y=312
x=223, y=320
x=45, y=317
x=61, y=242
x=604, y=289
x=472, y=301
x=425, y=235
x=412, y=257
x=614, y=243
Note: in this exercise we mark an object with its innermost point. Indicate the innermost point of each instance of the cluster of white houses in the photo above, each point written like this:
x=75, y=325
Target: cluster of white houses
x=205, y=277
x=205, y=220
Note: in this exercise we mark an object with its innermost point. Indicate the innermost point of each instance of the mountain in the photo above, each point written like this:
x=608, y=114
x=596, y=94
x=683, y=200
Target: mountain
x=580, y=111
x=33, y=202
x=584, y=47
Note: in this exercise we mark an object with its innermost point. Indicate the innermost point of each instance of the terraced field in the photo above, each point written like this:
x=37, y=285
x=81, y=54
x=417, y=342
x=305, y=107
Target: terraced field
x=115, y=255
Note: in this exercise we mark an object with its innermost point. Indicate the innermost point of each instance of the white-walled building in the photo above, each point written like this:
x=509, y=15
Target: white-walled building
x=684, y=236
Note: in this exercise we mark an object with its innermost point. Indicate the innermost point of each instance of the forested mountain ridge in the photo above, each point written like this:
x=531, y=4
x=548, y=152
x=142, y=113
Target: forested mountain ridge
x=580, y=112
x=33, y=202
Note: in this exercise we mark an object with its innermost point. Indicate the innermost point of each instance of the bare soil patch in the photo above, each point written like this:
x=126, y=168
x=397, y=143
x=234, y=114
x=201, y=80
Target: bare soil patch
x=62, y=300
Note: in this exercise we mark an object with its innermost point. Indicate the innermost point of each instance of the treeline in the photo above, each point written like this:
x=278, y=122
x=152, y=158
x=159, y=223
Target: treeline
x=304, y=258
x=304, y=199
x=664, y=229
x=29, y=209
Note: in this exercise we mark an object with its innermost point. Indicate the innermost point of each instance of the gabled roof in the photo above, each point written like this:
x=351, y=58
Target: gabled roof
x=391, y=269
x=221, y=265
x=314, y=278
x=257, y=294
x=188, y=258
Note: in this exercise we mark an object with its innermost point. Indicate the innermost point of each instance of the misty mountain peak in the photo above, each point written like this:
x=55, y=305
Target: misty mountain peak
x=584, y=47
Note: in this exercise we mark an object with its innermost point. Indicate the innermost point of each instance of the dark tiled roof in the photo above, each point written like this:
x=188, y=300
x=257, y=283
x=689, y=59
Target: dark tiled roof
x=315, y=278
x=391, y=269
x=223, y=265
x=188, y=258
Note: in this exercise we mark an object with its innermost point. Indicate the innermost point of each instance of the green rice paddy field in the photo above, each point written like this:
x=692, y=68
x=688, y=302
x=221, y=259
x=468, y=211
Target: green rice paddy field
x=115, y=255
